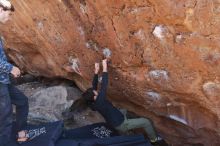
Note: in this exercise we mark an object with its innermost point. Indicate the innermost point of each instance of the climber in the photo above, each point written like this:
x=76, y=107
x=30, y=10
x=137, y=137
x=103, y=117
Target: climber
x=97, y=101
x=9, y=94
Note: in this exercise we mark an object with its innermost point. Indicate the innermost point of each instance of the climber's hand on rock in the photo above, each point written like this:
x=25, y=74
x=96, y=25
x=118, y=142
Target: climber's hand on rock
x=104, y=65
x=97, y=68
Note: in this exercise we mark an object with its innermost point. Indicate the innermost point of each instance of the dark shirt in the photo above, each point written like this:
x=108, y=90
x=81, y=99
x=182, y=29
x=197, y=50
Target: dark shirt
x=110, y=113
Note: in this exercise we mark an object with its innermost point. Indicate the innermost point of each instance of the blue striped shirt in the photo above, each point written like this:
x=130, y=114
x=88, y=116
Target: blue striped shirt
x=5, y=66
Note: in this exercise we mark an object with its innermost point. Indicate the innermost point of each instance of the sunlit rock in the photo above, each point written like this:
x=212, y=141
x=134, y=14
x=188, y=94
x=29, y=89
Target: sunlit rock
x=166, y=46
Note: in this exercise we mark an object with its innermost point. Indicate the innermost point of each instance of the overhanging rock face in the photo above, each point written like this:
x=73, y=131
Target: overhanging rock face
x=165, y=56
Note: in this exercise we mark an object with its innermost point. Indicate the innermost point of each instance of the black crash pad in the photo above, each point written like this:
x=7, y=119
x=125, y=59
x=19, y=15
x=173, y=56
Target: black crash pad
x=47, y=134
x=99, y=134
x=134, y=140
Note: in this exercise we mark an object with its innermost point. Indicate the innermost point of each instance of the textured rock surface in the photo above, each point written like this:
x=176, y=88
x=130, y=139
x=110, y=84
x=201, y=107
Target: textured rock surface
x=47, y=104
x=165, y=56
